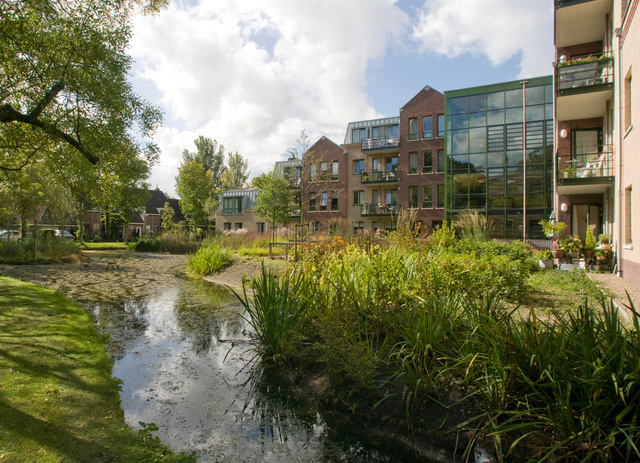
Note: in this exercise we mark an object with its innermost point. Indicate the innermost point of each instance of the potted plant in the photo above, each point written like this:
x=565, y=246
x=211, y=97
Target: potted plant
x=573, y=246
x=569, y=172
x=601, y=254
x=545, y=259
x=605, y=241
x=589, y=244
x=557, y=249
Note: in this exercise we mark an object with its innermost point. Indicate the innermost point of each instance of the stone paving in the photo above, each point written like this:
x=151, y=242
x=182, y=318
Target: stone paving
x=619, y=287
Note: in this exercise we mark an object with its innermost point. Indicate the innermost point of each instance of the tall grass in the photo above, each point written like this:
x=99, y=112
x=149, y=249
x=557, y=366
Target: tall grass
x=208, y=259
x=276, y=311
x=171, y=243
x=51, y=250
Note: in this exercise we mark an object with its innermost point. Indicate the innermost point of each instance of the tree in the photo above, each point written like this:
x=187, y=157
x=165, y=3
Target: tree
x=167, y=217
x=63, y=81
x=194, y=186
x=210, y=155
x=236, y=173
x=298, y=150
x=273, y=201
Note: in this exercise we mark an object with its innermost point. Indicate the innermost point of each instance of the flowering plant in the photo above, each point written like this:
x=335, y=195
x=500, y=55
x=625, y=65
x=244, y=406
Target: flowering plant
x=584, y=60
x=573, y=245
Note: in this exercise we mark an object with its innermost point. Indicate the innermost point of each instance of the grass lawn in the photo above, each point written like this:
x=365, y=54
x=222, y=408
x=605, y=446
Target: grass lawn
x=58, y=401
x=563, y=290
x=103, y=246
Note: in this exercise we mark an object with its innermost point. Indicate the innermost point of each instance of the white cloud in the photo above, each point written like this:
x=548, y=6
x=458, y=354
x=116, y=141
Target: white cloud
x=498, y=29
x=252, y=74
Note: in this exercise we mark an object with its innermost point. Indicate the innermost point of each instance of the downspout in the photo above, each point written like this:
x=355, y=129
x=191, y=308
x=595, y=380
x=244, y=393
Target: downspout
x=618, y=33
x=524, y=161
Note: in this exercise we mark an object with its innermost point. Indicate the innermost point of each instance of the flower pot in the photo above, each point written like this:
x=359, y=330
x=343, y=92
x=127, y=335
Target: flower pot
x=606, y=246
x=601, y=258
x=588, y=253
x=557, y=253
x=545, y=263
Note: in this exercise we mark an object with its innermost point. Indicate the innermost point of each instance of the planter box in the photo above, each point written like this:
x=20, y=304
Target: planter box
x=545, y=263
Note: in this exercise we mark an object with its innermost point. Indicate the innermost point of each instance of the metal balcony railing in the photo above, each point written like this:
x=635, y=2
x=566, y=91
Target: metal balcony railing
x=592, y=73
x=379, y=143
x=585, y=163
x=378, y=209
x=379, y=177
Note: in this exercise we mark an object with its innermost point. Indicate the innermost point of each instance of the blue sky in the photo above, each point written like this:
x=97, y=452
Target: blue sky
x=253, y=74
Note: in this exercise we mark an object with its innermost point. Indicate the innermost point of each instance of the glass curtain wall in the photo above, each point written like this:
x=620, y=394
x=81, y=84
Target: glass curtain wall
x=494, y=135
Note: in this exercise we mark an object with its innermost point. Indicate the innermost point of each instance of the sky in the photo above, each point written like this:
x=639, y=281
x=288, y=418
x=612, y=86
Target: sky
x=252, y=74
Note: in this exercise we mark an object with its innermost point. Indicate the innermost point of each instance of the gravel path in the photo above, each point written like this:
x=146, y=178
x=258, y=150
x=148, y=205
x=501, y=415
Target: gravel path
x=618, y=287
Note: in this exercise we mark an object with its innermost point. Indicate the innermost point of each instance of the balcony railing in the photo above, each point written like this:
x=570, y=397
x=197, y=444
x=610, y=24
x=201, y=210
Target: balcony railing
x=586, y=164
x=379, y=143
x=295, y=182
x=380, y=209
x=231, y=211
x=587, y=74
x=379, y=177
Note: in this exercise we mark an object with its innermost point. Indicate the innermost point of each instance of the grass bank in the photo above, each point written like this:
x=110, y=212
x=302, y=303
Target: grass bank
x=58, y=401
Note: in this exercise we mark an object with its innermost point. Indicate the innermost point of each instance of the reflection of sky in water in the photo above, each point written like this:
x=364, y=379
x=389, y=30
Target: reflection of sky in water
x=170, y=352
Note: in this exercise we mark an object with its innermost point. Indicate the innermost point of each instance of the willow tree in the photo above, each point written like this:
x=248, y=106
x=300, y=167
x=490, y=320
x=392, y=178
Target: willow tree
x=63, y=81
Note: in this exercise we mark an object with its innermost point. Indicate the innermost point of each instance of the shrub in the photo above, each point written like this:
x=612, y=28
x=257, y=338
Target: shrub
x=171, y=243
x=49, y=250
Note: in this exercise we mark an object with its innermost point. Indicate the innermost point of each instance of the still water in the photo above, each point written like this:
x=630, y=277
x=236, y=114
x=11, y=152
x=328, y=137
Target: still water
x=185, y=365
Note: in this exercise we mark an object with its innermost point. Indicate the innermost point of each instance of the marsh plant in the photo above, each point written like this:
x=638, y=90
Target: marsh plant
x=276, y=311
x=208, y=259
x=51, y=250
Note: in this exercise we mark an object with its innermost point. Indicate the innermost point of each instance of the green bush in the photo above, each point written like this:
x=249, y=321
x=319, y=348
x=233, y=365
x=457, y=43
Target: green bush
x=49, y=250
x=171, y=243
x=208, y=259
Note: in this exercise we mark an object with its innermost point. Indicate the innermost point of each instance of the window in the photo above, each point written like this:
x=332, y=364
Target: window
x=358, y=226
x=358, y=166
x=313, y=173
x=227, y=226
x=628, y=217
x=413, y=197
x=627, y=102
x=358, y=197
x=312, y=202
x=413, y=128
x=413, y=162
x=427, y=162
x=237, y=225
x=323, y=171
x=334, y=200
x=440, y=125
x=232, y=205
x=441, y=160
x=427, y=127
x=260, y=227
x=391, y=164
x=427, y=197
x=323, y=202
x=334, y=170
x=357, y=135
x=375, y=164
x=391, y=197
x=440, y=198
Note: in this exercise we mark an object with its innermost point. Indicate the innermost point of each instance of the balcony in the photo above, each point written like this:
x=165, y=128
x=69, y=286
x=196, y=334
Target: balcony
x=580, y=21
x=295, y=182
x=586, y=172
x=379, y=177
x=380, y=145
x=583, y=86
x=378, y=210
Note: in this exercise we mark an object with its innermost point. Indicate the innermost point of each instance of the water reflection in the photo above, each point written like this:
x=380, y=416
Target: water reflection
x=173, y=352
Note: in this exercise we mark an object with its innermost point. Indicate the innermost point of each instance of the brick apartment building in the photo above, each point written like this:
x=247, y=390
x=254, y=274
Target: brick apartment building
x=597, y=167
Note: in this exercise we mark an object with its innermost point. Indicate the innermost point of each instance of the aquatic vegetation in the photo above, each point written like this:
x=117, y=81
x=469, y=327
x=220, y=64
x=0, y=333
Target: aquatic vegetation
x=208, y=259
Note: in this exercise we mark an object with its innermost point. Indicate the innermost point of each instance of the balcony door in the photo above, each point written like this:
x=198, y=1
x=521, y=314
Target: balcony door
x=586, y=146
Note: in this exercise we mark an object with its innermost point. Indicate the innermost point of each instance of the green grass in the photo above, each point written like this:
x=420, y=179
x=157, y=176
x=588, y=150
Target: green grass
x=58, y=401
x=104, y=246
x=562, y=290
